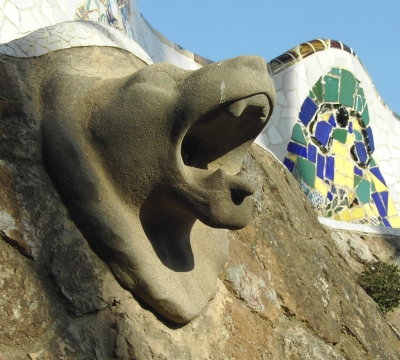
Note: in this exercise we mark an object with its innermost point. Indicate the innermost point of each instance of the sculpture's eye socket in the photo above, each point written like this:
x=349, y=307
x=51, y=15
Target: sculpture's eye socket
x=191, y=151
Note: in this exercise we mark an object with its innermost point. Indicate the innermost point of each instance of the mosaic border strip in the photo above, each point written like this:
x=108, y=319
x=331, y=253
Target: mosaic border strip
x=71, y=34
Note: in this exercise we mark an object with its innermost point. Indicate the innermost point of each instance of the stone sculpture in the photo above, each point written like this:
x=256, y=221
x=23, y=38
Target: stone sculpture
x=148, y=162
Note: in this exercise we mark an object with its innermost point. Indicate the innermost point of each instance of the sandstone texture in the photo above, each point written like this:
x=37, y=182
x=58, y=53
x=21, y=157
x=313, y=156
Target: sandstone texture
x=289, y=290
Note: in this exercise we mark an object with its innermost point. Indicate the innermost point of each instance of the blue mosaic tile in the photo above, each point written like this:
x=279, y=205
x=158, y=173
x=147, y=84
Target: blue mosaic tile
x=330, y=168
x=289, y=164
x=307, y=111
x=378, y=174
x=332, y=121
x=361, y=152
x=370, y=138
x=358, y=171
x=387, y=223
x=297, y=149
x=385, y=198
x=351, y=128
x=312, y=153
x=320, y=166
x=330, y=196
x=323, y=132
x=377, y=200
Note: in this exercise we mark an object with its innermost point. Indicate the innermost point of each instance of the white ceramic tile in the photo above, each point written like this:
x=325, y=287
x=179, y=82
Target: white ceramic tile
x=281, y=99
x=62, y=5
x=274, y=135
x=41, y=42
x=2, y=2
x=59, y=15
x=395, y=165
x=64, y=44
x=53, y=3
x=38, y=3
x=47, y=13
x=24, y=4
x=290, y=80
x=285, y=127
x=40, y=50
x=38, y=16
x=263, y=140
x=12, y=14
x=28, y=22
x=311, y=78
x=9, y=32
x=2, y=17
x=278, y=81
x=276, y=115
x=291, y=112
x=340, y=59
x=53, y=46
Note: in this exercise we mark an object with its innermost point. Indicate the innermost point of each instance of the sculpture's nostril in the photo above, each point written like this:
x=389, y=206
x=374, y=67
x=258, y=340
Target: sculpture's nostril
x=191, y=151
x=238, y=195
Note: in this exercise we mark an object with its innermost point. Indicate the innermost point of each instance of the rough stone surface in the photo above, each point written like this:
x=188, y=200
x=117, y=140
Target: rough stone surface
x=288, y=291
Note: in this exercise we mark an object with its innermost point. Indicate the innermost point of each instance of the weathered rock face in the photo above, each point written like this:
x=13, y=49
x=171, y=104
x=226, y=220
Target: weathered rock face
x=287, y=292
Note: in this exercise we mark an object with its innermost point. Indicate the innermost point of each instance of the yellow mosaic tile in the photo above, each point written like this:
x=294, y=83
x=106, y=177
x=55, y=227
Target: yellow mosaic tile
x=357, y=212
x=321, y=186
x=350, y=139
x=326, y=116
x=378, y=184
x=337, y=217
x=292, y=157
x=391, y=209
x=371, y=210
x=341, y=180
x=339, y=149
x=346, y=216
x=356, y=126
x=395, y=221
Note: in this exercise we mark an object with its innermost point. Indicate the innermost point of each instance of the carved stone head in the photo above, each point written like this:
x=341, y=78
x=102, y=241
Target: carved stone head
x=149, y=165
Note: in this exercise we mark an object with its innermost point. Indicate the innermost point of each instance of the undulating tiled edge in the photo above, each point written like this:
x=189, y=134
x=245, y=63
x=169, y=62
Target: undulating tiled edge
x=19, y=19
x=341, y=225
x=68, y=35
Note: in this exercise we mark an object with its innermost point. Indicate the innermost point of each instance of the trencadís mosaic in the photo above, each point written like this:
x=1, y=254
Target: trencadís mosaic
x=331, y=154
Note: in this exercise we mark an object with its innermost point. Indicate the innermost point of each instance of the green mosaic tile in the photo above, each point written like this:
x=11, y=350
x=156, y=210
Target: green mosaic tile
x=364, y=191
x=347, y=88
x=331, y=89
x=298, y=136
x=311, y=95
x=318, y=90
x=306, y=170
x=340, y=135
x=365, y=115
x=328, y=206
x=329, y=214
x=359, y=103
x=338, y=209
x=335, y=71
x=357, y=180
x=373, y=188
x=358, y=135
x=372, y=163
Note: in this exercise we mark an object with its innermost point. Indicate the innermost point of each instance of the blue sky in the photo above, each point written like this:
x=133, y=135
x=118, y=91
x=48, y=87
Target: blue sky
x=221, y=29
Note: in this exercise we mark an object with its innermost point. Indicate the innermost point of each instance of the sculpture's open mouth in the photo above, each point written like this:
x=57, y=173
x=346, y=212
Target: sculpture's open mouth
x=213, y=150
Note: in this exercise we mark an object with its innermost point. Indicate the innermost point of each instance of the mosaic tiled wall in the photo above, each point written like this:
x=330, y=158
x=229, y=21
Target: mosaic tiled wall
x=335, y=134
x=330, y=126
x=331, y=154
